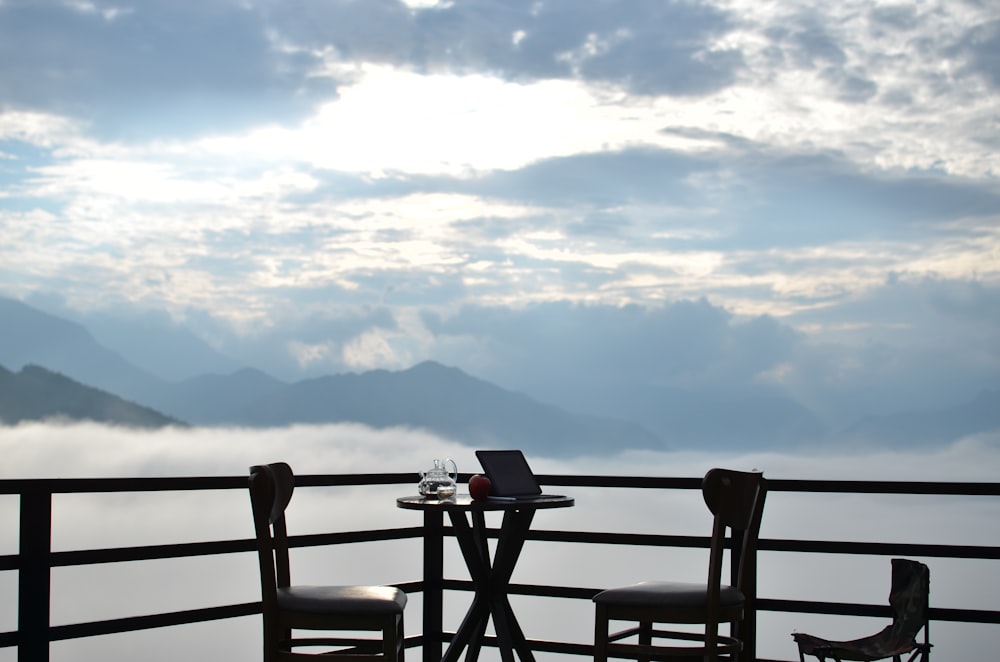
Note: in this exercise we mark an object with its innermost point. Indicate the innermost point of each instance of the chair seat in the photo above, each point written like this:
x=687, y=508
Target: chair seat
x=342, y=600
x=866, y=649
x=667, y=594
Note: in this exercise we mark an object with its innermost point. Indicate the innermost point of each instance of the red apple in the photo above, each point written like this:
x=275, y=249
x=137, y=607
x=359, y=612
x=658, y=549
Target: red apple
x=479, y=487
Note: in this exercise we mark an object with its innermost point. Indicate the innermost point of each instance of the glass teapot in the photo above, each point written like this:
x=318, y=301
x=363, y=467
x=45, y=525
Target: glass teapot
x=439, y=482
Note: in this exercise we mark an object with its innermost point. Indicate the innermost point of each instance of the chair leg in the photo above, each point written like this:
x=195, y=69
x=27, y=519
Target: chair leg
x=645, y=638
x=402, y=640
x=601, y=634
x=274, y=639
x=746, y=630
x=711, y=642
x=392, y=640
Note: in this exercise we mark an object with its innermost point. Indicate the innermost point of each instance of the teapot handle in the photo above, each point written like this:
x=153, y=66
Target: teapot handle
x=454, y=468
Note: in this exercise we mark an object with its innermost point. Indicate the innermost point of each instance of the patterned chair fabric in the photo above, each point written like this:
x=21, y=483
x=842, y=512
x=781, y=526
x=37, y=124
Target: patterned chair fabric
x=908, y=598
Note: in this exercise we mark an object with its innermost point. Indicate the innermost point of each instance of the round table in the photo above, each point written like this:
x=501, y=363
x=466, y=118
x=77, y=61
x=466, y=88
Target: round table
x=490, y=579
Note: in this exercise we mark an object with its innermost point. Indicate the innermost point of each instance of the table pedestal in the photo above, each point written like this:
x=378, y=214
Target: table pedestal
x=490, y=576
x=491, y=580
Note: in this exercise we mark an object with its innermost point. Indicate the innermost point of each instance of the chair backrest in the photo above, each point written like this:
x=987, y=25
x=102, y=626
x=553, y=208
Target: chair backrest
x=271, y=487
x=736, y=499
x=909, y=597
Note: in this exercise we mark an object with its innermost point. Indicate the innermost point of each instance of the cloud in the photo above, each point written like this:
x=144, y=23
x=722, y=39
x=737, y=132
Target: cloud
x=495, y=183
x=904, y=345
x=907, y=350
x=524, y=41
x=128, y=72
x=981, y=45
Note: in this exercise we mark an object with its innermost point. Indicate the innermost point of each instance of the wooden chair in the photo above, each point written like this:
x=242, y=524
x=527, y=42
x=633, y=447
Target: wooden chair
x=736, y=500
x=348, y=610
x=909, y=597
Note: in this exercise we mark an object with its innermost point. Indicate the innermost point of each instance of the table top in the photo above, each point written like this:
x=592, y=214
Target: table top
x=466, y=502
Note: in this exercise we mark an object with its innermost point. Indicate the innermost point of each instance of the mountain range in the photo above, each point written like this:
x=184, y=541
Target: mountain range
x=445, y=400
x=35, y=394
x=438, y=398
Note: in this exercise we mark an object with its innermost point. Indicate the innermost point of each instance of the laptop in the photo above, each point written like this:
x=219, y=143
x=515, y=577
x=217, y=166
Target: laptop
x=511, y=479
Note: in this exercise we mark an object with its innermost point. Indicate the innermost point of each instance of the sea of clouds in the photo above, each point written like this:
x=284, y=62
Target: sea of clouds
x=125, y=589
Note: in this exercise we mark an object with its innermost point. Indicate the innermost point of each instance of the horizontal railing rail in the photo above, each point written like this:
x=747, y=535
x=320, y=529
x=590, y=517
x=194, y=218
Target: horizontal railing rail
x=36, y=559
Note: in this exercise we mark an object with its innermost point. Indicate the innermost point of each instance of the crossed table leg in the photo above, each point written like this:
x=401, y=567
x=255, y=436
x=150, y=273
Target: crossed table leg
x=491, y=581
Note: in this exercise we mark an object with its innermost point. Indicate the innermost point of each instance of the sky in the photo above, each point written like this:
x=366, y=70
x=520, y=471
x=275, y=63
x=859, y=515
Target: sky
x=126, y=589
x=711, y=193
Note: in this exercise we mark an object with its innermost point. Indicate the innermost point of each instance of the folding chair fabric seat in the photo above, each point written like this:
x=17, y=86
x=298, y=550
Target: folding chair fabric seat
x=909, y=598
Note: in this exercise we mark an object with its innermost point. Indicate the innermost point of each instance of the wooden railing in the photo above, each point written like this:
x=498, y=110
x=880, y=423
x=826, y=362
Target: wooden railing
x=36, y=559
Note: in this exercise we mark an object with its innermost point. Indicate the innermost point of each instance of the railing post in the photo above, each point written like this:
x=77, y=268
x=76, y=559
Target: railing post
x=433, y=584
x=34, y=577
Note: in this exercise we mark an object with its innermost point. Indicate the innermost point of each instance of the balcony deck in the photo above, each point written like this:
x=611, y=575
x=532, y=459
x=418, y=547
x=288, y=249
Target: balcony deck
x=430, y=571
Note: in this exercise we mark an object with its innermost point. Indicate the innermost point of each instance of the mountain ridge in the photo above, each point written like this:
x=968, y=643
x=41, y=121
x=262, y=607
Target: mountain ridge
x=910, y=428
x=37, y=394
x=450, y=402
x=447, y=401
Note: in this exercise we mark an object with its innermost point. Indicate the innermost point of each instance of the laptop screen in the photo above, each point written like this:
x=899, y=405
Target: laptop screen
x=509, y=473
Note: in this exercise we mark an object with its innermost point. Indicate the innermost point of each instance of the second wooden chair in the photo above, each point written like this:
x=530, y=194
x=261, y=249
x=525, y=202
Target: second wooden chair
x=736, y=500
x=347, y=609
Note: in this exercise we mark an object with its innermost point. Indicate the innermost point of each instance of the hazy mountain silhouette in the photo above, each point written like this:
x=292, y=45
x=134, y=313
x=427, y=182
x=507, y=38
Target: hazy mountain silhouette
x=217, y=399
x=37, y=394
x=905, y=429
x=759, y=418
x=449, y=402
x=30, y=336
x=430, y=396
x=469, y=410
x=179, y=354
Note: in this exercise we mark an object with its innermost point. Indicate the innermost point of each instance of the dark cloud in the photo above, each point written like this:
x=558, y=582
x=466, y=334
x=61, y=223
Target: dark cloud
x=140, y=70
x=769, y=198
x=349, y=323
x=892, y=18
x=248, y=60
x=656, y=200
x=852, y=87
x=914, y=346
x=808, y=43
x=649, y=47
x=602, y=179
x=907, y=345
x=982, y=46
x=659, y=48
x=558, y=350
x=374, y=30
